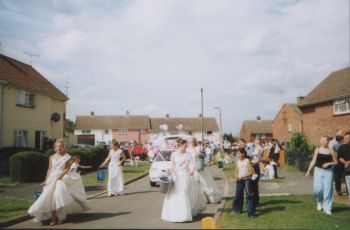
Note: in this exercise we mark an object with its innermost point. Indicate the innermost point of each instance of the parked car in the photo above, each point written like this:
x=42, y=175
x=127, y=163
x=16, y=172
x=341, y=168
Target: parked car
x=104, y=145
x=161, y=161
x=138, y=150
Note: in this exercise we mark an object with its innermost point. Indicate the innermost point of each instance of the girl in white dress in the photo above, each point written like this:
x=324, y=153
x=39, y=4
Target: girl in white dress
x=56, y=199
x=207, y=182
x=116, y=157
x=180, y=204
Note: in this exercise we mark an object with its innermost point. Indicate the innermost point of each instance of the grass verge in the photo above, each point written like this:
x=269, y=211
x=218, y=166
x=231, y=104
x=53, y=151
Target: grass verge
x=290, y=212
x=11, y=207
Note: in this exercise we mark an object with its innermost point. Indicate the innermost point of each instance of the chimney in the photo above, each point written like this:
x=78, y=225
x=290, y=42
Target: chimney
x=92, y=113
x=167, y=115
x=127, y=112
x=200, y=115
x=258, y=118
x=300, y=99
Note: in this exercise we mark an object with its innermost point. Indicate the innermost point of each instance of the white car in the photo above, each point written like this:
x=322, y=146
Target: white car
x=161, y=162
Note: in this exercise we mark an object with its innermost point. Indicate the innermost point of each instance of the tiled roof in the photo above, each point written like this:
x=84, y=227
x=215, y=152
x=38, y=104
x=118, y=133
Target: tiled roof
x=23, y=76
x=112, y=122
x=296, y=109
x=259, y=126
x=189, y=123
x=335, y=86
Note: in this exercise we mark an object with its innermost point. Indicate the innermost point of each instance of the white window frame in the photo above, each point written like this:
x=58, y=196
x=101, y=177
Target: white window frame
x=260, y=136
x=123, y=132
x=290, y=128
x=106, y=131
x=86, y=131
x=20, y=138
x=25, y=98
x=345, y=102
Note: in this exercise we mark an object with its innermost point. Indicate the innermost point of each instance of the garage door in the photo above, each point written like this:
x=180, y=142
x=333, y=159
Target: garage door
x=86, y=139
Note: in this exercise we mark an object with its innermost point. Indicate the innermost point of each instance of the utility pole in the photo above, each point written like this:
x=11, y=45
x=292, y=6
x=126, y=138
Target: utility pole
x=202, y=121
x=31, y=55
x=281, y=97
x=67, y=87
x=220, y=126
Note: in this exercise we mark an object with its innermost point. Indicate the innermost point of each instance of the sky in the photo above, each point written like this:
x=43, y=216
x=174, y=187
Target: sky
x=151, y=57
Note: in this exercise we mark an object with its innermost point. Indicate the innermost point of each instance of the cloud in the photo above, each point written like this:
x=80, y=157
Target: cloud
x=153, y=56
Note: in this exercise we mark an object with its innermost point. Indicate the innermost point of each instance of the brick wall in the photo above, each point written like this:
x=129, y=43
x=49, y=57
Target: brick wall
x=319, y=120
x=245, y=133
x=280, y=124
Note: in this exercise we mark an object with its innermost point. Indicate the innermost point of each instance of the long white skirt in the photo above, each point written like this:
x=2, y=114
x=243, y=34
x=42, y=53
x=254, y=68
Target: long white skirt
x=57, y=196
x=209, y=186
x=179, y=205
x=115, y=180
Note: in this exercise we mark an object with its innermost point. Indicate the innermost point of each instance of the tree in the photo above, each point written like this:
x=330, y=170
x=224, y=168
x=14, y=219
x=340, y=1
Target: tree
x=70, y=126
x=229, y=137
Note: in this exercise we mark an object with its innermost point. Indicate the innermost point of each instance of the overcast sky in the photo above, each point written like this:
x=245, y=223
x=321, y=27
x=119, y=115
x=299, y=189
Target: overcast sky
x=152, y=57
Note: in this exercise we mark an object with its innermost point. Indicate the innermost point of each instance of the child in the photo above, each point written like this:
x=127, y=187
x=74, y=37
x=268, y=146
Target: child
x=75, y=164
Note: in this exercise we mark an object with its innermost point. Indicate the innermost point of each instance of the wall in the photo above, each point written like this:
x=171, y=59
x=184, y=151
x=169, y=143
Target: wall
x=319, y=120
x=31, y=119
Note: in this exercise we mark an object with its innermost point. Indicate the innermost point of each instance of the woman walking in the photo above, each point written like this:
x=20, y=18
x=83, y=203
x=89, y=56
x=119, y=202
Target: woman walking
x=205, y=178
x=56, y=199
x=324, y=159
x=244, y=172
x=116, y=157
x=183, y=200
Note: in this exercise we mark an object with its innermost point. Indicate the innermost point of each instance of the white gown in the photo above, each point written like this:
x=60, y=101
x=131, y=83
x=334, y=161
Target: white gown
x=56, y=195
x=183, y=200
x=206, y=180
x=115, y=174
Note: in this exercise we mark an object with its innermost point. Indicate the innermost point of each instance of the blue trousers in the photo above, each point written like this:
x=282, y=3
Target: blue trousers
x=323, y=187
x=237, y=205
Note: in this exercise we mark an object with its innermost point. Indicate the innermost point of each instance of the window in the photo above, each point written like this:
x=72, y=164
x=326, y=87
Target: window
x=86, y=131
x=142, y=131
x=24, y=98
x=209, y=132
x=106, y=131
x=341, y=106
x=260, y=136
x=20, y=138
x=189, y=132
x=290, y=128
x=174, y=133
x=123, y=131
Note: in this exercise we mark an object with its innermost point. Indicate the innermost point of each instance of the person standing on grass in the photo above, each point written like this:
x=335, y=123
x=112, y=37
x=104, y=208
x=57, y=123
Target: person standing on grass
x=244, y=172
x=324, y=159
x=57, y=199
x=256, y=158
x=338, y=169
x=344, y=157
x=116, y=157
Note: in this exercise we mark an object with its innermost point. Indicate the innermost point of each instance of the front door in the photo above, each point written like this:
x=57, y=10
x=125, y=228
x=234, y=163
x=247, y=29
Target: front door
x=39, y=140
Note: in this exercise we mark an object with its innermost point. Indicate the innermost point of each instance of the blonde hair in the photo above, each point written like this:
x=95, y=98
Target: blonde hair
x=59, y=141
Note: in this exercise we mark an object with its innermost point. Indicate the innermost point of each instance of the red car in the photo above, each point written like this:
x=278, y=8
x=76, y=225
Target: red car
x=138, y=150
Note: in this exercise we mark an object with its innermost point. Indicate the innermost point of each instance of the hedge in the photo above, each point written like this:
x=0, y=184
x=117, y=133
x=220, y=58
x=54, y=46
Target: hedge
x=32, y=166
x=28, y=166
x=5, y=154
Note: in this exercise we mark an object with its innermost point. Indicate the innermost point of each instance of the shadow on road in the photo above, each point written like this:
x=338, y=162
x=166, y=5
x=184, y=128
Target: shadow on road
x=133, y=193
x=90, y=188
x=85, y=217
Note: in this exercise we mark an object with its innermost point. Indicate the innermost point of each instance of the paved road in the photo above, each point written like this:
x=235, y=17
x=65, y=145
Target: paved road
x=140, y=207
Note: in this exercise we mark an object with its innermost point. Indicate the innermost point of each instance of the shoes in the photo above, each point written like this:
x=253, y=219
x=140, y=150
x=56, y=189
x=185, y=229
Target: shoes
x=319, y=206
x=328, y=212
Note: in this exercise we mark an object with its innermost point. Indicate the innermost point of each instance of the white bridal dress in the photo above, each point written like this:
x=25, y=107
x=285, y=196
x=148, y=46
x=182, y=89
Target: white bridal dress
x=115, y=174
x=206, y=179
x=185, y=199
x=58, y=195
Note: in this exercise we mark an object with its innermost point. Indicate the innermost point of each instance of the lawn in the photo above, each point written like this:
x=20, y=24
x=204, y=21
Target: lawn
x=286, y=212
x=129, y=173
x=12, y=207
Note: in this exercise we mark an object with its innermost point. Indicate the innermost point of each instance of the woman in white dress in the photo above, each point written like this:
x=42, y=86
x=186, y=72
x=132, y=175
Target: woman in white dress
x=116, y=157
x=207, y=182
x=180, y=204
x=56, y=199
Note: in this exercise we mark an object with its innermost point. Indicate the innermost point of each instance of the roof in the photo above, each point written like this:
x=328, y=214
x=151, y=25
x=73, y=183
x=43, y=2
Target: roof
x=112, y=122
x=189, y=123
x=258, y=126
x=23, y=76
x=294, y=108
x=335, y=86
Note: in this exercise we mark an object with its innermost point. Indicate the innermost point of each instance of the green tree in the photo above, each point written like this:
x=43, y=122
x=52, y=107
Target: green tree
x=70, y=126
x=229, y=137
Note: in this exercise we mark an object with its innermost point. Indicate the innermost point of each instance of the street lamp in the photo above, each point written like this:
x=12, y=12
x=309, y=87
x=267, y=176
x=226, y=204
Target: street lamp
x=220, y=127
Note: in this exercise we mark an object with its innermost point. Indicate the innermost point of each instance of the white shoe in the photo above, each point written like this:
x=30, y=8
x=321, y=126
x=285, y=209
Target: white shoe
x=319, y=206
x=328, y=212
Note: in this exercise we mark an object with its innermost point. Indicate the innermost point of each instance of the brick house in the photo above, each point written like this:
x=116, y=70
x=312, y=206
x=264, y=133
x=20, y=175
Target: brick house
x=32, y=109
x=191, y=126
x=95, y=129
x=327, y=107
x=256, y=129
x=288, y=120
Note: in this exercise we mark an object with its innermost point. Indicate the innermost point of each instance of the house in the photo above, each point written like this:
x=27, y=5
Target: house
x=191, y=126
x=95, y=129
x=32, y=109
x=288, y=120
x=327, y=107
x=256, y=129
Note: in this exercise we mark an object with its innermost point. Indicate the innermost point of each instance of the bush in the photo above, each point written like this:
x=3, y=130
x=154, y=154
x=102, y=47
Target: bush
x=299, y=152
x=28, y=166
x=92, y=156
x=5, y=154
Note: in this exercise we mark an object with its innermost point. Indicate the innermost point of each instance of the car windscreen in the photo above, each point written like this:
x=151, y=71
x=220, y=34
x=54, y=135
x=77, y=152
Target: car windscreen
x=163, y=156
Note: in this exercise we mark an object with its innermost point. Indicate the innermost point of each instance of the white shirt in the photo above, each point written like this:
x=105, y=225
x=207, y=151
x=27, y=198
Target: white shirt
x=243, y=168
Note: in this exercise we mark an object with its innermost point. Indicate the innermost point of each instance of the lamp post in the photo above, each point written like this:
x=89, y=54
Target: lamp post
x=220, y=125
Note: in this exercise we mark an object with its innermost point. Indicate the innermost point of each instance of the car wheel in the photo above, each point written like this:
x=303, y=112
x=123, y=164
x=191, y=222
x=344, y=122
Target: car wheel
x=153, y=184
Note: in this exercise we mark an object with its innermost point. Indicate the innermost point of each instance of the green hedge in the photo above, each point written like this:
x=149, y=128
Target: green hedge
x=32, y=166
x=28, y=166
x=5, y=154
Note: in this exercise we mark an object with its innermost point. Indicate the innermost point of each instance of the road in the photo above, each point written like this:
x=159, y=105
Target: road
x=139, y=207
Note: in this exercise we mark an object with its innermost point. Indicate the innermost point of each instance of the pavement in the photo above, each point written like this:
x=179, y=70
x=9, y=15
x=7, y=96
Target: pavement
x=139, y=207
